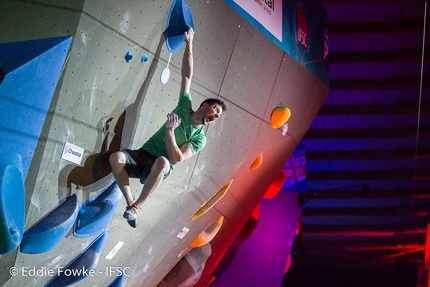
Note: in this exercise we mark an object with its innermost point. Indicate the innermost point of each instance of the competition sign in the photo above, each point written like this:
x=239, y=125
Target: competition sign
x=298, y=27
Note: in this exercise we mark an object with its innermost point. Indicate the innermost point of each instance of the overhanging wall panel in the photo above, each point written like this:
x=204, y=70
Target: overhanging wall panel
x=301, y=92
x=139, y=21
x=229, y=145
x=252, y=71
x=217, y=28
x=97, y=85
x=62, y=19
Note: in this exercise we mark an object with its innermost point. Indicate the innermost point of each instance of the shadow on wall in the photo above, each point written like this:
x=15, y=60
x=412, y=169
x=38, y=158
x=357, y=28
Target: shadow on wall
x=96, y=166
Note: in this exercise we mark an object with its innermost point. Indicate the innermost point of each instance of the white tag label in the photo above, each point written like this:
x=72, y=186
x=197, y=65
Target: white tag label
x=114, y=250
x=72, y=153
x=183, y=232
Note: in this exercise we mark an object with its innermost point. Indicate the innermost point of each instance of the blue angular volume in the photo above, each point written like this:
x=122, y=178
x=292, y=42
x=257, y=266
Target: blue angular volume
x=12, y=202
x=180, y=16
x=45, y=235
x=82, y=266
x=26, y=93
x=95, y=215
x=118, y=281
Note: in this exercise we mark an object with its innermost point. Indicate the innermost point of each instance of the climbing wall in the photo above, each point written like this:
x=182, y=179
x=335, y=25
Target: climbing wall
x=108, y=97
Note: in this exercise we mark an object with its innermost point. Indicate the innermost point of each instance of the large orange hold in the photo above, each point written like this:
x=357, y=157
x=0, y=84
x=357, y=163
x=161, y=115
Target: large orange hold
x=204, y=237
x=279, y=116
x=207, y=235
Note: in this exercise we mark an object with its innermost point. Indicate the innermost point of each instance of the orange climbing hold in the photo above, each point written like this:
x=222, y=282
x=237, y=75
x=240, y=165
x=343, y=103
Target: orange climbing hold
x=207, y=235
x=279, y=116
x=257, y=162
x=204, y=237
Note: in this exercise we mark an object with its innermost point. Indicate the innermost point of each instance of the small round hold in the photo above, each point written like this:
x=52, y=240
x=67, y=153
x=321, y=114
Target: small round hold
x=165, y=75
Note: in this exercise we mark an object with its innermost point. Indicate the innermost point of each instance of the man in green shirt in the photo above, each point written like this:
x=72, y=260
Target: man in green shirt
x=181, y=137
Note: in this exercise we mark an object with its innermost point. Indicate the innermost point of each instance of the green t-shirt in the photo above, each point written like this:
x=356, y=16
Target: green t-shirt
x=186, y=132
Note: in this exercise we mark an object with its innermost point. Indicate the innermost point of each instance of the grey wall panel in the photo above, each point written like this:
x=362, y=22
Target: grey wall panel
x=252, y=70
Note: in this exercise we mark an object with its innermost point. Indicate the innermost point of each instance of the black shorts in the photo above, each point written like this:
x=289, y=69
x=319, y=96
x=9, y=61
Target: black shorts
x=138, y=163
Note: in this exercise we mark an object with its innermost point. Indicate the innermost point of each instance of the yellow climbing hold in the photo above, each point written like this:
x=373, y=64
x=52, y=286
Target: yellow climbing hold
x=205, y=208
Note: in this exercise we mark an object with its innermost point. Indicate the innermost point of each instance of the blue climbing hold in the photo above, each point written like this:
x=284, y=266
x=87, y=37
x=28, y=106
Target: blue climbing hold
x=45, y=235
x=95, y=215
x=180, y=17
x=144, y=59
x=82, y=265
x=12, y=202
x=128, y=57
x=118, y=281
